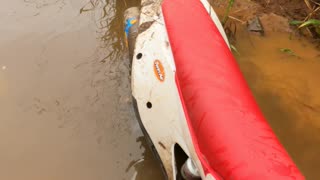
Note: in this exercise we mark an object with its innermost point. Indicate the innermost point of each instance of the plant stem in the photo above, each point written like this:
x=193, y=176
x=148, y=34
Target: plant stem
x=230, y=5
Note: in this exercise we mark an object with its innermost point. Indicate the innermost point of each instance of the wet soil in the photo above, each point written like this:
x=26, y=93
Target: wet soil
x=292, y=9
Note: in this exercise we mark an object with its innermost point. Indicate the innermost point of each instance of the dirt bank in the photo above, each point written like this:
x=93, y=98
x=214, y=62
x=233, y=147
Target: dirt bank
x=275, y=15
x=292, y=9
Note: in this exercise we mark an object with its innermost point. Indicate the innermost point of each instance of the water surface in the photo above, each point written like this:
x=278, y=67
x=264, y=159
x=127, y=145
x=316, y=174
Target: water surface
x=65, y=99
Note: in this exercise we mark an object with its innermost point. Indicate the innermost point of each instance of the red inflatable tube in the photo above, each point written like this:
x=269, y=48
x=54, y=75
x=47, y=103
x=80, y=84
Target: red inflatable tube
x=230, y=134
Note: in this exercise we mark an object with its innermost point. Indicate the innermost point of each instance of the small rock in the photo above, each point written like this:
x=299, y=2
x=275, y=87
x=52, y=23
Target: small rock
x=275, y=23
x=255, y=26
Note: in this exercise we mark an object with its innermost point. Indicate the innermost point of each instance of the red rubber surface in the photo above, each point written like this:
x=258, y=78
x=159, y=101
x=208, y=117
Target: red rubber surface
x=231, y=136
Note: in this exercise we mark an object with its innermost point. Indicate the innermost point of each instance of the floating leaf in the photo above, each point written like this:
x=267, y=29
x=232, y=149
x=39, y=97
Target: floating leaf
x=287, y=51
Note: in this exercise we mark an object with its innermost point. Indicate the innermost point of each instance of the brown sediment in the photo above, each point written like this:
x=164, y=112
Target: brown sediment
x=293, y=9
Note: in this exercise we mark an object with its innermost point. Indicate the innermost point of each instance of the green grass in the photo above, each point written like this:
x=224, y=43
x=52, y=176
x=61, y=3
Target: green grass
x=310, y=23
x=226, y=15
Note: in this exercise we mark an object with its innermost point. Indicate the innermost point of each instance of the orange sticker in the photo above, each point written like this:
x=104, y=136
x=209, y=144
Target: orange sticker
x=159, y=70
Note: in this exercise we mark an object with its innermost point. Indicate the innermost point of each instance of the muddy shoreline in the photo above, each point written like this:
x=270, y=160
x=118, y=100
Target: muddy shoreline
x=292, y=9
x=274, y=15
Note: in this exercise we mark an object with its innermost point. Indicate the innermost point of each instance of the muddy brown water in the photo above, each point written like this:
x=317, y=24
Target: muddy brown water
x=286, y=88
x=65, y=102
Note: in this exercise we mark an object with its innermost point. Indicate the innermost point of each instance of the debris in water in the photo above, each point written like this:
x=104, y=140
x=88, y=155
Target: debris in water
x=255, y=26
x=288, y=51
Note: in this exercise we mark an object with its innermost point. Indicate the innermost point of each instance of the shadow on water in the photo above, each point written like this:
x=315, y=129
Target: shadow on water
x=109, y=20
x=146, y=168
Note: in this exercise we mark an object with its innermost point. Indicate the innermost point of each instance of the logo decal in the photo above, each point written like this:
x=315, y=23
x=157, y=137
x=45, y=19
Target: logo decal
x=159, y=70
x=129, y=23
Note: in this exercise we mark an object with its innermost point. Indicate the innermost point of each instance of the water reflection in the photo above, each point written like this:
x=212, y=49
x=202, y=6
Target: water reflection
x=66, y=110
x=147, y=167
x=109, y=21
